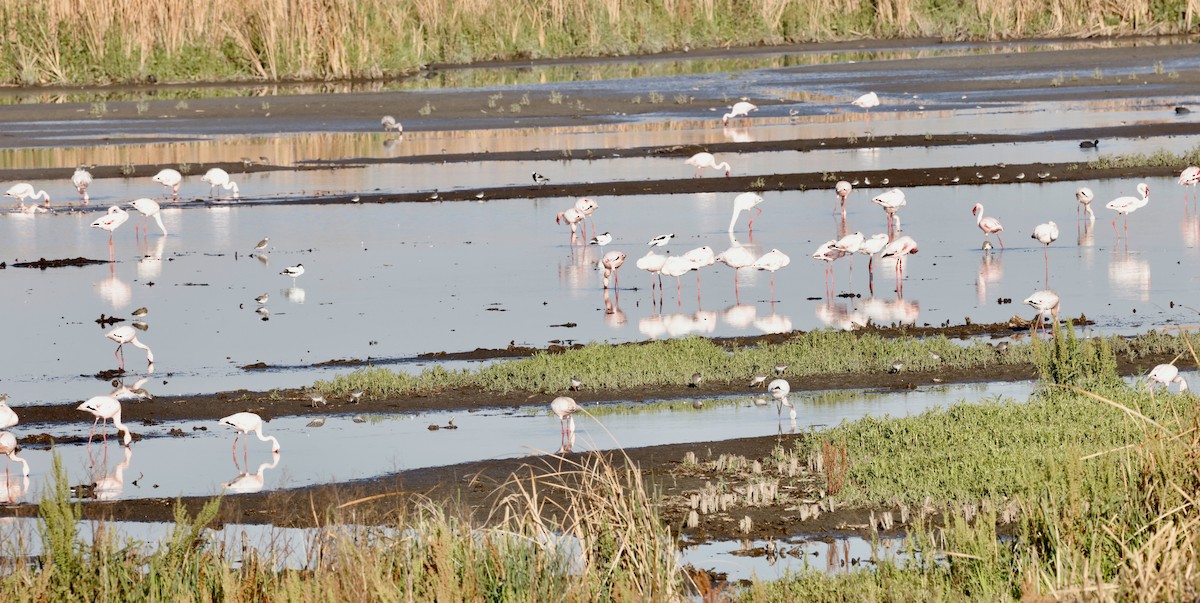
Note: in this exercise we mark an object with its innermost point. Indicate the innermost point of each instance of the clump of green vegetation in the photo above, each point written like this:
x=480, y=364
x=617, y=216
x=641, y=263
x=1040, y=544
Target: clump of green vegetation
x=426, y=109
x=1160, y=158
x=556, y=97
x=656, y=98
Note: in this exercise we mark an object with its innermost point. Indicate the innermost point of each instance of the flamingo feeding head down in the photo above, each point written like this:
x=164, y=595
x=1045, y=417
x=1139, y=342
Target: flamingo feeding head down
x=8, y=448
x=987, y=224
x=706, y=160
x=1165, y=375
x=610, y=263
x=1085, y=195
x=149, y=208
x=891, y=201
x=170, y=179
x=779, y=390
x=81, y=180
x=565, y=408
x=389, y=124
x=127, y=334
x=1045, y=302
x=219, y=177
x=23, y=191
x=1190, y=176
x=744, y=203
x=843, y=189
x=246, y=422
x=739, y=109
x=1127, y=205
x=572, y=217
x=105, y=408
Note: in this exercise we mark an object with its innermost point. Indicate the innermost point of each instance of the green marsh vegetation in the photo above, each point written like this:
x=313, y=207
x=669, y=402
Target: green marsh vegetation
x=105, y=41
x=672, y=362
x=1160, y=158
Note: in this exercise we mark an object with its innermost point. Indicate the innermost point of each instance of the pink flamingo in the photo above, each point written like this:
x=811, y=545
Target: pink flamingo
x=706, y=160
x=653, y=263
x=739, y=109
x=677, y=266
x=149, y=208
x=988, y=225
x=843, y=189
x=110, y=222
x=1045, y=302
x=610, y=262
x=81, y=180
x=8, y=447
x=170, y=179
x=700, y=257
x=891, y=202
x=1165, y=375
x=899, y=249
x=828, y=253
x=736, y=257
x=8, y=417
x=565, y=408
x=867, y=101
x=1084, y=195
x=1127, y=205
x=105, y=408
x=587, y=206
x=744, y=203
x=1190, y=177
x=572, y=217
x=1046, y=234
x=772, y=261
x=127, y=334
x=244, y=423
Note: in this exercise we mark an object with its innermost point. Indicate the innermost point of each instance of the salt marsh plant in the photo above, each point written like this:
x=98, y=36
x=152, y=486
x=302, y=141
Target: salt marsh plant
x=1161, y=158
x=426, y=109
x=556, y=97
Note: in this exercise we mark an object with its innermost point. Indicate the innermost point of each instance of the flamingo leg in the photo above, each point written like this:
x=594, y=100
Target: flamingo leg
x=679, y=290
x=1001, y=241
x=1115, y=231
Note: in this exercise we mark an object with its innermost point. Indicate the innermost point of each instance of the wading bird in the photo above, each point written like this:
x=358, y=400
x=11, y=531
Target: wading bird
x=661, y=240
x=891, y=201
x=744, y=203
x=1045, y=302
x=8, y=447
x=244, y=423
x=828, y=253
x=219, y=177
x=149, y=208
x=127, y=334
x=82, y=179
x=706, y=160
x=170, y=179
x=988, y=225
x=652, y=263
x=899, y=249
x=24, y=190
x=1190, y=176
x=389, y=124
x=736, y=257
x=294, y=272
x=867, y=101
x=8, y=417
x=779, y=389
x=772, y=261
x=1127, y=205
x=601, y=239
x=739, y=109
x=677, y=266
x=700, y=257
x=610, y=263
x=565, y=408
x=1084, y=195
x=1046, y=234
x=571, y=217
x=110, y=222
x=105, y=408
x=843, y=189
x=587, y=207
x=1165, y=375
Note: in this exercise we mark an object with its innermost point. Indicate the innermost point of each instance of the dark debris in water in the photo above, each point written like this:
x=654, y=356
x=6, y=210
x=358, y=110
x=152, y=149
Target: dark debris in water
x=43, y=263
x=109, y=374
x=255, y=366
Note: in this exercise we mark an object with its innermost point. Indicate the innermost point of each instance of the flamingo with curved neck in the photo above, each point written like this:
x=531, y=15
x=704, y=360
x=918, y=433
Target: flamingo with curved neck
x=105, y=408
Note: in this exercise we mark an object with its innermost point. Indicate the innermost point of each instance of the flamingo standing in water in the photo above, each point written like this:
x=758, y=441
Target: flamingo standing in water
x=779, y=389
x=170, y=179
x=8, y=417
x=843, y=189
x=1045, y=302
x=149, y=208
x=739, y=109
x=1190, y=177
x=700, y=257
x=572, y=217
x=1084, y=195
x=8, y=447
x=610, y=262
x=24, y=190
x=772, y=261
x=677, y=266
x=565, y=408
x=744, y=203
x=127, y=334
x=586, y=206
x=105, y=408
x=653, y=263
x=1127, y=205
x=389, y=124
x=988, y=224
x=110, y=222
x=706, y=160
x=899, y=249
x=891, y=202
x=736, y=257
x=1165, y=375
x=219, y=177
x=828, y=253
x=867, y=101
x=82, y=179
x=244, y=423
x=1046, y=234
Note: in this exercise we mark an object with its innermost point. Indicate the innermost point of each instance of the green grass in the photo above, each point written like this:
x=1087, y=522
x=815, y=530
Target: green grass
x=1160, y=158
x=672, y=362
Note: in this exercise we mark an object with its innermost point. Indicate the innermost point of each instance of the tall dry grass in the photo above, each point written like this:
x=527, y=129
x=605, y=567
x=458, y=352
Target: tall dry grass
x=100, y=41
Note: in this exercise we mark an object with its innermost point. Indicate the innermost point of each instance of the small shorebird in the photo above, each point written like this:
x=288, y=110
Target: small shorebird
x=539, y=179
x=759, y=380
x=575, y=384
x=262, y=244
x=601, y=239
x=695, y=380
x=661, y=240
x=262, y=299
x=356, y=396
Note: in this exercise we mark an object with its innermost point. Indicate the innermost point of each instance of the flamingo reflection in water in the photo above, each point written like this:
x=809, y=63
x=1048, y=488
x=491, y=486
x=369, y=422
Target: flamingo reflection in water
x=737, y=256
x=247, y=482
x=110, y=485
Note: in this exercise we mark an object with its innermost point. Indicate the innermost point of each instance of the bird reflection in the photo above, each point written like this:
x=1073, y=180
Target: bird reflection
x=613, y=316
x=249, y=483
x=991, y=270
x=653, y=326
x=13, y=489
x=575, y=273
x=150, y=264
x=295, y=295
x=124, y=393
x=737, y=134
x=774, y=323
x=903, y=311
x=740, y=316
x=737, y=256
x=704, y=321
x=1189, y=227
x=839, y=316
x=262, y=259
x=111, y=485
x=1130, y=275
x=1084, y=230
x=114, y=290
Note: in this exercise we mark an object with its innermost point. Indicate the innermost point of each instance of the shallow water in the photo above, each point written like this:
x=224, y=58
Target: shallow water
x=344, y=450
x=743, y=559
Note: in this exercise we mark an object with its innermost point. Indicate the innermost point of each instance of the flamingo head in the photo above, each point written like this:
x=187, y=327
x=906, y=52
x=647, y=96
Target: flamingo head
x=975, y=210
x=1143, y=189
x=559, y=218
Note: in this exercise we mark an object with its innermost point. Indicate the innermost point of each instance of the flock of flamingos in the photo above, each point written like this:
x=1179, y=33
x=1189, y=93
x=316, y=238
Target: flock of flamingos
x=889, y=246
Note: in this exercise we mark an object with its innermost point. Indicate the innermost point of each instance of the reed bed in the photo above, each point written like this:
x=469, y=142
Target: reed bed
x=1160, y=158
x=102, y=41
x=672, y=362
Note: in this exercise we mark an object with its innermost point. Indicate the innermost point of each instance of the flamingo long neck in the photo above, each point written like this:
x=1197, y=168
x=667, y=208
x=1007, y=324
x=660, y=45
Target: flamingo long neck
x=149, y=354
x=266, y=438
x=230, y=185
x=723, y=164
x=25, y=464
x=41, y=195
x=1183, y=386
x=158, y=220
x=121, y=428
x=979, y=218
x=732, y=221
